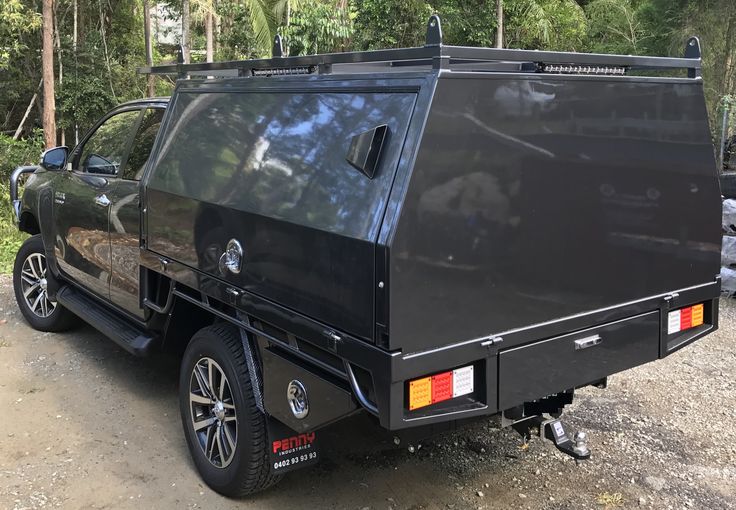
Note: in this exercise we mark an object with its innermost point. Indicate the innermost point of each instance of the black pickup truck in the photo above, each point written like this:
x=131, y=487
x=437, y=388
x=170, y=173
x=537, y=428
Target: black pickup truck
x=429, y=235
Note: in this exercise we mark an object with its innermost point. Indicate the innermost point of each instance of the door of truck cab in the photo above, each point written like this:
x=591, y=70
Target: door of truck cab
x=125, y=219
x=97, y=213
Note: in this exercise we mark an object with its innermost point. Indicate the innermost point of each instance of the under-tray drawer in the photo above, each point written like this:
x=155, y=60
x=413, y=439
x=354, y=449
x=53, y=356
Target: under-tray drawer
x=536, y=370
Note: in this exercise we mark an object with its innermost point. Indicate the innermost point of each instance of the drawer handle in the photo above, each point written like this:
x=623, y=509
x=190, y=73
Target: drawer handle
x=586, y=342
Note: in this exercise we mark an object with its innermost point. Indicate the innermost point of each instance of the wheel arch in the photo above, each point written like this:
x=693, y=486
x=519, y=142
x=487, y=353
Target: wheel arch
x=29, y=224
x=184, y=320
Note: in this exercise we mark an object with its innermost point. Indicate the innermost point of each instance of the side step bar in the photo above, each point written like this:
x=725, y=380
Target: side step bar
x=128, y=336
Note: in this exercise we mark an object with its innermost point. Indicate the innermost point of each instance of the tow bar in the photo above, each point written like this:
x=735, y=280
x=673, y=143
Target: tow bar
x=553, y=429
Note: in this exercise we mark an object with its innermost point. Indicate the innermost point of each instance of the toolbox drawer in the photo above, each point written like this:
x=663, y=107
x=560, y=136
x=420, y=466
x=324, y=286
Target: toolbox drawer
x=536, y=370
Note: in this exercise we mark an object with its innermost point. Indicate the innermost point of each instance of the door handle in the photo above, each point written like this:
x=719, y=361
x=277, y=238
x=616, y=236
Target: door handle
x=102, y=200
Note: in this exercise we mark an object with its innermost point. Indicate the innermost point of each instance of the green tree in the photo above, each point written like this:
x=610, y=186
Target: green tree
x=616, y=26
x=317, y=27
x=466, y=22
x=544, y=24
x=389, y=24
x=18, y=21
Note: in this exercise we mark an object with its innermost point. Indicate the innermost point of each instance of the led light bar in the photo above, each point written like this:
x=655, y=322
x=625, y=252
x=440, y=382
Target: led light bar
x=440, y=387
x=277, y=71
x=578, y=69
x=684, y=319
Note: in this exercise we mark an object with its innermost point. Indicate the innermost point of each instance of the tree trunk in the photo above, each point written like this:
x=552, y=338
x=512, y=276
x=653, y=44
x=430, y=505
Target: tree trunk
x=499, y=23
x=75, y=36
x=728, y=53
x=57, y=43
x=185, y=22
x=217, y=28
x=47, y=65
x=150, y=85
x=28, y=111
x=209, y=29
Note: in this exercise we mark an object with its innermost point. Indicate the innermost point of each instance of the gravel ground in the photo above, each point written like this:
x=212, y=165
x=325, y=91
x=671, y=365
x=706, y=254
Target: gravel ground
x=84, y=425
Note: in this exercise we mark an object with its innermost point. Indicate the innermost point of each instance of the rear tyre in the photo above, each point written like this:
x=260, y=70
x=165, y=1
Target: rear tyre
x=30, y=274
x=225, y=431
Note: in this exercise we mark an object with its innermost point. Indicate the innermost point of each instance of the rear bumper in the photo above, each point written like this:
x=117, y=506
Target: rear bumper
x=527, y=364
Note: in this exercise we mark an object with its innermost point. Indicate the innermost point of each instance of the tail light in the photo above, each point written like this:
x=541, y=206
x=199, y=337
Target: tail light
x=684, y=319
x=440, y=387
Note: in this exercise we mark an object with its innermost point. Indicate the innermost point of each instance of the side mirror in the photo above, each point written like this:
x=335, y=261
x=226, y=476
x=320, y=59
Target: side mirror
x=55, y=159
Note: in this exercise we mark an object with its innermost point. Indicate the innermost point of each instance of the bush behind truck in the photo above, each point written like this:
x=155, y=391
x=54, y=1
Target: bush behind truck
x=429, y=235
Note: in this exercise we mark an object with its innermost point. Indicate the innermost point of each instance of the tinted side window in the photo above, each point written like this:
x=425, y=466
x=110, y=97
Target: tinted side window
x=142, y=144
x=283, y=155
x=103, y=152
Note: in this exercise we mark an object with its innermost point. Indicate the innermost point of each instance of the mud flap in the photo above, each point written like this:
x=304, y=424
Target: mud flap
x=290, y=450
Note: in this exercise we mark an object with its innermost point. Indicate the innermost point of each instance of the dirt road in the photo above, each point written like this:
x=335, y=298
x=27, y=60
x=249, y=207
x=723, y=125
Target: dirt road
x=84, y=425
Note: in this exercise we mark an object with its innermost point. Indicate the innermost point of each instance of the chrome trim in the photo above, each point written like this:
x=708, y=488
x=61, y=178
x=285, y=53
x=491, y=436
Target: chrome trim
x=296, y=395
x=232, y=259
x=590, y=341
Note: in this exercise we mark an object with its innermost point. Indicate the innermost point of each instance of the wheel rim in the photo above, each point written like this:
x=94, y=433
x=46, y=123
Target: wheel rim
x=35, y=286
x=213, y=412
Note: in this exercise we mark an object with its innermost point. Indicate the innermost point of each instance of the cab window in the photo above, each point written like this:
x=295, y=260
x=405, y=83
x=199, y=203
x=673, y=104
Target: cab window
x=103, y=152
x=143, y=143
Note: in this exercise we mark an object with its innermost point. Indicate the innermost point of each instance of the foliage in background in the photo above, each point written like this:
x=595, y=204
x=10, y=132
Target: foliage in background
x=465, y=22
x=237, y=40
x=13, y=153
x=18, y=21
x=317, y=27
x=389, y=24
x=545, y=25
x=714, y=21
x=616, y=26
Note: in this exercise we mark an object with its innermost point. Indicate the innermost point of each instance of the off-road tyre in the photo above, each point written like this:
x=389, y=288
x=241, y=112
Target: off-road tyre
x=248, y=470
x=30, y=273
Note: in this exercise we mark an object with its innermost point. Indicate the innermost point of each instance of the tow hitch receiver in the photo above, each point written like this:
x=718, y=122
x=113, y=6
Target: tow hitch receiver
x=554, y=430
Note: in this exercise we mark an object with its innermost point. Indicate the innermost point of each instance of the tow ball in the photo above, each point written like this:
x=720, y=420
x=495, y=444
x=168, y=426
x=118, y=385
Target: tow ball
x=553, y=429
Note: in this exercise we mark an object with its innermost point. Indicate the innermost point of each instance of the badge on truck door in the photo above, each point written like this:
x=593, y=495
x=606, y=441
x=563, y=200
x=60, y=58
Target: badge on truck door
x=290, y=450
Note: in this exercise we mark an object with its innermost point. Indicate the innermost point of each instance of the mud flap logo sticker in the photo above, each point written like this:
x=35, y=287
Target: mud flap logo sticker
x=290, y=450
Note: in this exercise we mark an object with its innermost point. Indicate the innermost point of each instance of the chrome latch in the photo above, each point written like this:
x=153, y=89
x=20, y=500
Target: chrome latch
x=333, y=339
x=586, y=342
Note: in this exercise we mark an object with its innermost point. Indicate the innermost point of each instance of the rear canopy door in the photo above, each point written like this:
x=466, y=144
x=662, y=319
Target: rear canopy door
x=270, y=169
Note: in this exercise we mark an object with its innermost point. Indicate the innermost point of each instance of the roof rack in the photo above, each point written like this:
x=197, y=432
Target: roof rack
x=437, y=55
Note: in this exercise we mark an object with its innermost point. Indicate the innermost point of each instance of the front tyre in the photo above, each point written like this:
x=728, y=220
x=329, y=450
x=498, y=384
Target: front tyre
x=30, y=274
x=225, y=431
